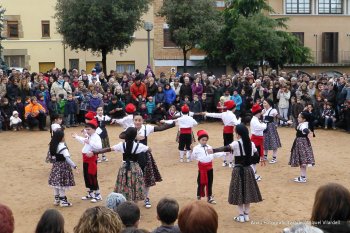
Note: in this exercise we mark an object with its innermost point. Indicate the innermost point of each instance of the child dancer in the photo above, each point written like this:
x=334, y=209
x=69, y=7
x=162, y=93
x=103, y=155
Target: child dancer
x=61, y=176
x=257, y=129
x=15, y=121
x=126, y=121
x=229, y=119
x=130, y=181
x=102, y=120
x=301, y=152
x=91, y=142
x=205, y=166
x=146, y=161
x=243, y=187
x=186, y=123
x=271, y=138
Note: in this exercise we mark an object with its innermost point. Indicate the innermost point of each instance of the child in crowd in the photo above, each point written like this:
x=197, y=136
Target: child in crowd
x=84, y=106
x=70, y=111
x=238, y=101
x=61, y=176
x=221, y=105
x=41, y=100
x=19, y=107
x=301, y=152
x=177, y=103
x=62, y=103
x=205, y=166
x=167, y=212
x=186, y=101
x=95, y=102
x=53, y=107
x=196, y=107
x=159, y=114
x=91, y=142
x=143, y=111
x=151, y=105
x=15, y=121
x=102, y=122
x=172, y=112
x=297, y=108
x=160, y=96
x=127, y=96
x=115, y=108
x=328, y=115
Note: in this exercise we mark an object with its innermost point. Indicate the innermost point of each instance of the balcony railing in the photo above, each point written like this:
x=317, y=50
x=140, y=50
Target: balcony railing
x=323, y=57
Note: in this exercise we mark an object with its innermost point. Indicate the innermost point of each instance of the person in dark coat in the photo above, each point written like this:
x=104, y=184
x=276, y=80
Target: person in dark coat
x=70, y=112
x=186, y=89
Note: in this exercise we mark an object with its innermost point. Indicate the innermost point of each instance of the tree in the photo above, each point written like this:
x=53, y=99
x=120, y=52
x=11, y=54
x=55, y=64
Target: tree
x=2, y=12
x=190, y=22
x=250, y=38
x=99, y=25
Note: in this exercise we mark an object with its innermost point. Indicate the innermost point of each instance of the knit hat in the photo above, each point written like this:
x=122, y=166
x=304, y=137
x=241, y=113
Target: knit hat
x=230, y=104
x=256, y=109
x=14, y=113
x=202, y=133
x=90, y=115
x=93, y=124
x=130, y=108
x=185, y=109
x=113, y=200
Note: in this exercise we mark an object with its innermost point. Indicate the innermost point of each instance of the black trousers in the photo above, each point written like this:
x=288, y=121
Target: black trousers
x=39, y=120
x=228, y=138
x=90, y=180
x=185, y=140
x=210, y=175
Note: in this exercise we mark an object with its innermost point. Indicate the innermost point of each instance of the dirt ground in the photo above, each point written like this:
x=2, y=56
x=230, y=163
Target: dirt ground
x=24, y=174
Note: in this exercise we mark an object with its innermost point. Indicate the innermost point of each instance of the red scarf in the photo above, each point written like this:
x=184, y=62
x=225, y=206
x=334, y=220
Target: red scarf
x=203, y=170
x=91, y=161
x=259, y=142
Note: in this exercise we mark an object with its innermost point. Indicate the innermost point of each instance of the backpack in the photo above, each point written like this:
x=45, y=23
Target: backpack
x=52, y=158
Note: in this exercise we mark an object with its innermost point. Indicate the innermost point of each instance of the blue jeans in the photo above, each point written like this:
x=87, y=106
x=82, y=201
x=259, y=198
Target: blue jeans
x=329, y=121
x=70, y=119
x=283, y=113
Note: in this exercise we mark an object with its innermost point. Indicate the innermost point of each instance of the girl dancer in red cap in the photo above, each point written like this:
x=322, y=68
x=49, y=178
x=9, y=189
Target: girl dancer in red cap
x=229, y=119
x=205, y=166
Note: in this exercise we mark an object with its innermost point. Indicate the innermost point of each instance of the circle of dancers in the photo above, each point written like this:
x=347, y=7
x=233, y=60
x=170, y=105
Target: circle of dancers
x=139, y=171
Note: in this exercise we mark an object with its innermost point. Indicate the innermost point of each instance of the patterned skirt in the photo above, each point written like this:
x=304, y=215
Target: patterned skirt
x=130, y=182
x=151, y=174
x=178, y=137
x=301, y=153
x=61, y=176
x=105, y=142
x=243, y=187
x=271, y=138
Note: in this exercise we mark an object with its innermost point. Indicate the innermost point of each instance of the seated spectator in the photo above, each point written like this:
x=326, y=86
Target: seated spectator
x=50, y=221
x=198, y=217
x=114, y=200
x=160, y=96
x=98, y=219
x=6, y=111
x=328, y=115
x=331, y=209
x=167, y=212
x=129, y=213
x=115, y=108
x=35, y=115
x=7, y=221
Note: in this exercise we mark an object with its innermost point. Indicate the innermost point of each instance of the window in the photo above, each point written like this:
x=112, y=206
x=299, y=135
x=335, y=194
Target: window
x=300, y=36
x=167, y=38
x=74, y=64
x=125, y=66
x=298, y=7
x=45, y=28
x=15, y=61
x=12, y=29
x=330, y=6
x=330, y=47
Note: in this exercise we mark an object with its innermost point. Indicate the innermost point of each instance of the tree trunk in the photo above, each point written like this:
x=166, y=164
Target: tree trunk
x=104, y=60
x=185, y=59
x=262, y=67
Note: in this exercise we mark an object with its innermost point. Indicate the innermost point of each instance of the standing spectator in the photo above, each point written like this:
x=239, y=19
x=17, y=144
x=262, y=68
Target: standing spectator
x=170, y=96
x=24, y=89
x=238, y=101
x=197, y=88
x=7, y=221
x=6, y=111
x=60, y=87
x=346, y=90
x=53, y=107
x=338, y=87
x=186, y=89
x=297, y=108
x=151, y=87
x=196, y=107
x=12, y=90
x=138, y=88
x=35, y=115
x=151, y=105
x=160, y=96
x=176, y=86
x=3, y=84
x=283, y=104
x=70, y=112
x=95, y=102
x=258, y=91
x=210, y=91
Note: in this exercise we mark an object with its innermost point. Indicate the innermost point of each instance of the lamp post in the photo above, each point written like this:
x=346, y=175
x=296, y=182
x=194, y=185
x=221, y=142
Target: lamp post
x=148, y=26
x=315, y=35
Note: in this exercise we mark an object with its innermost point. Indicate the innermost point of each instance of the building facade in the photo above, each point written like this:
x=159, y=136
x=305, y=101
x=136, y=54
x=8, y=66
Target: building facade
x=321, y=25
x=32, y=41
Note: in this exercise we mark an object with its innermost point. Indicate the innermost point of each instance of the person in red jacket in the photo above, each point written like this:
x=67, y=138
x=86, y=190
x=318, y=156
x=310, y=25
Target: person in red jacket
x=138, y=88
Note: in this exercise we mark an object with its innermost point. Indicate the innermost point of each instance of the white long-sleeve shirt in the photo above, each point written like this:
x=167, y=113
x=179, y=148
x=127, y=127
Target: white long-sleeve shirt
x=94, y=143
x=200, y=154
x=55, y=126
x=228, y=118
x=304, y=127
x=183, y=122
x=256, y=127
x=235, y=147
x=15, y=120
x=126, y=122
x=119, y=148
x=65, y=153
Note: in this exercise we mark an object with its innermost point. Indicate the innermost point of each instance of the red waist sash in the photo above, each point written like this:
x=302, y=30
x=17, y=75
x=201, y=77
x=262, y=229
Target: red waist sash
x=185, y=130
x=228, y=128
x=259, y=142
x=203, y=171
x=91, y=161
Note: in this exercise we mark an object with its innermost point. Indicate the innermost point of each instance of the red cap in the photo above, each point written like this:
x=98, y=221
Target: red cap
x=256, y=109
x=130, y=108
x=90, y=115
x=93, y=124
x=230, y=104
x=202, y=133
x=185, y=109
